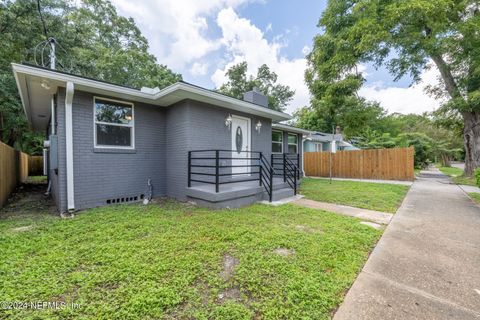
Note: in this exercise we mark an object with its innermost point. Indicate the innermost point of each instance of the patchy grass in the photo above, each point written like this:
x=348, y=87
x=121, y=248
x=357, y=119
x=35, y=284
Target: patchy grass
x=37, y=179
x=170, y=260
x=475, y=196
x=374, y=196
x=457, y=175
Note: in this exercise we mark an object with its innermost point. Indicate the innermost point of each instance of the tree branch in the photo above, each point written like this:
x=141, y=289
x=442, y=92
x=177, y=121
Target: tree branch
x=447, y=76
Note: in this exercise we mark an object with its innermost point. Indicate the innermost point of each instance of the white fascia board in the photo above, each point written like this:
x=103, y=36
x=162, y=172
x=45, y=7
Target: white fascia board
x=173, y=91
x=23, y=91
x=291, y=129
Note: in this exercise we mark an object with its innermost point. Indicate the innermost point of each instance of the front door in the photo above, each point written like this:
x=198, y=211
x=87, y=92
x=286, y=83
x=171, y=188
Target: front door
x=240, y=143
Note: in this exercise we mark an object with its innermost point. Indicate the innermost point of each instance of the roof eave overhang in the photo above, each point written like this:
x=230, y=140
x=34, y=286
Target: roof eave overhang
x=166, y=97
x=283, y=127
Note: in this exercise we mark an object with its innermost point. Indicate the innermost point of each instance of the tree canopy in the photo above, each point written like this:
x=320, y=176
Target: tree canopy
x=405, y=36
x=93, y=40
x=266, y=81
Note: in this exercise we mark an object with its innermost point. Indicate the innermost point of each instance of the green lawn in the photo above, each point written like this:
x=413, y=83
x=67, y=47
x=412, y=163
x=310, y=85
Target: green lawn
x=475, y=196
x=167, y=260
x=457, y=175
x=373, y=196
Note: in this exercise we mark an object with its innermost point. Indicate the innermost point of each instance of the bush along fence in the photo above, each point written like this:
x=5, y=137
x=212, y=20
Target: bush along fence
x=385, y=164
x=14, y=169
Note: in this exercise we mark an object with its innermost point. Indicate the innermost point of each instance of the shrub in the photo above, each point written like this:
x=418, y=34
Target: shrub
x=477, y=176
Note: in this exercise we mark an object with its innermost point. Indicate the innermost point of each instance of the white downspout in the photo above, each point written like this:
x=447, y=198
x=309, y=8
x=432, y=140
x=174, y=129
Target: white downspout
x=69, y=145
x=303, y=155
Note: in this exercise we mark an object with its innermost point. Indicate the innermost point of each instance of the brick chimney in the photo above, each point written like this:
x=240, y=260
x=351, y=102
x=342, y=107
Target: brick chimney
x=256, y=97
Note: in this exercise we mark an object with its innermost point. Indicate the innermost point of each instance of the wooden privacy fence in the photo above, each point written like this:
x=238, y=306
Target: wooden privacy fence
x=14, y=169
x=384, y=164
x=35, y=165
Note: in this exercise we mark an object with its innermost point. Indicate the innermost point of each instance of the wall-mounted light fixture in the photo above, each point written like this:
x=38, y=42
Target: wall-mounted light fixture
x=228, y=121
x=258, y=126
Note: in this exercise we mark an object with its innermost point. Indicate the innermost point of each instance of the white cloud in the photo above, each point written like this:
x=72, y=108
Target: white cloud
x=243, y=41
x=176, y=30
x=404, y=100
x=199, y=69
x=180, y=37
x=269, y=28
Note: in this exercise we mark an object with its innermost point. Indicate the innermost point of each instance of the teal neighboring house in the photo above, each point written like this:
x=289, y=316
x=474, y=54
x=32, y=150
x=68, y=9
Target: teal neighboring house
x=319, y=141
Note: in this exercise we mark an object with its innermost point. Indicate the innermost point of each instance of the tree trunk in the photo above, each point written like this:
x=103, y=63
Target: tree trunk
x=471, y=136
x=471, y=120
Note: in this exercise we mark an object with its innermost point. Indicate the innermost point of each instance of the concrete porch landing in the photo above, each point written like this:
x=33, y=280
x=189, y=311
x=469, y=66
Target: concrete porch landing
x=234, y=195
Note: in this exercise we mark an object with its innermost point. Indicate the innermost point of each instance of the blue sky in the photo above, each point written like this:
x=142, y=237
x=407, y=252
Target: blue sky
x=202, y=39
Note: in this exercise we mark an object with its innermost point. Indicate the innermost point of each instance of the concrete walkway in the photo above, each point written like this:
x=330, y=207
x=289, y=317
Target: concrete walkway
x=427, y=263
x=364, y=214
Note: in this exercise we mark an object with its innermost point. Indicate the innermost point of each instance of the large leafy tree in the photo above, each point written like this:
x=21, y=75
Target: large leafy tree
x=266, y=81
x=93, y=40
x=404, y=36
x=353, y=116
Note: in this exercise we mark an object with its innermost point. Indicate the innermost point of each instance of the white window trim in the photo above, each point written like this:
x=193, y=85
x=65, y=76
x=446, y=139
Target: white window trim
x=316, y=144
x=292, y=144
x=95, y=122
x=281, y=142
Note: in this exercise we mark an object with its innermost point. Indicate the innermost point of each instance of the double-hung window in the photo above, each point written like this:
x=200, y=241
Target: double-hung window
x=277, y=142
x=114, y=124
x=292, y=143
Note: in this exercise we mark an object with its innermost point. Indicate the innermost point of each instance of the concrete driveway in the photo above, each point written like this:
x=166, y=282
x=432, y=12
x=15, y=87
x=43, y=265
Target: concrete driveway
x=427, y=263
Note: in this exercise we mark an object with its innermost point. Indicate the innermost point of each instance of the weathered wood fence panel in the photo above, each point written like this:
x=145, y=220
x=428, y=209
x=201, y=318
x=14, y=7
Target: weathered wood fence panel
x=14, y=169
x=384, y=164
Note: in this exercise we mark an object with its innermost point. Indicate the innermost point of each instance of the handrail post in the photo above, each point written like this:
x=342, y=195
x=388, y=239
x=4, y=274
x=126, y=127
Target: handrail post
x=217, y=169
x=260, y=169
x=298, y=165
x=271, y=184
x=284, y=168
x=295, y=183
x=189, y=168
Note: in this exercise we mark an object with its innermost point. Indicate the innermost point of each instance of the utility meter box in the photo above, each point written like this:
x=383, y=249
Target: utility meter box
x=53, y=152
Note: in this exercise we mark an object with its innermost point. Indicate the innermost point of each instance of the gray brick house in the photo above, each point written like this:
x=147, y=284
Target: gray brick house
x=104, y=142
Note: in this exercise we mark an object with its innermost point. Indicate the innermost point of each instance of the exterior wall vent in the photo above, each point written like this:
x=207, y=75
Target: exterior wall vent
x=125, y=199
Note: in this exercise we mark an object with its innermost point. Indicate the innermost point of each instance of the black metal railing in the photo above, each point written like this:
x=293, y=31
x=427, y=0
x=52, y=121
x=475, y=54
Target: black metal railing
x=266, y=176
x=278, y=161
x=290, y=173
x=217, y=167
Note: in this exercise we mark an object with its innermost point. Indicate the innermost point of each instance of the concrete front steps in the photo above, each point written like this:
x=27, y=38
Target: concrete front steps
x=237, y=194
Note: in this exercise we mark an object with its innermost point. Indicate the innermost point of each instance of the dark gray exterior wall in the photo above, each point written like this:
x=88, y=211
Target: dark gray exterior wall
x=163, y=137
x=192, y=125
x=59, y=176
x=102, y=174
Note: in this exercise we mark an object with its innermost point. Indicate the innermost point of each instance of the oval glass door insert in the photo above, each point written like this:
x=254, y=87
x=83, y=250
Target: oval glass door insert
x=239, y=139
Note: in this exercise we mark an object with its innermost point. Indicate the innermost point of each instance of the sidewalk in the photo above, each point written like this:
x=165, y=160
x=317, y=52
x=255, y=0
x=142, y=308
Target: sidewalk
x=427, y=263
